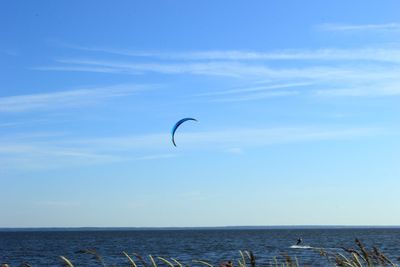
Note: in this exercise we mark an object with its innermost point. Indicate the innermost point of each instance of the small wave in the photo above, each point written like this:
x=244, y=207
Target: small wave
x=303, y=247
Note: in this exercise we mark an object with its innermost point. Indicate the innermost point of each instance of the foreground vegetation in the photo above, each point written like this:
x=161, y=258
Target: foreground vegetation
x=359, y=256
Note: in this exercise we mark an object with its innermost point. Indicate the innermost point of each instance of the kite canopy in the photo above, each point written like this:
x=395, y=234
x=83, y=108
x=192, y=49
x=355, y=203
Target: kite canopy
x=176, y=126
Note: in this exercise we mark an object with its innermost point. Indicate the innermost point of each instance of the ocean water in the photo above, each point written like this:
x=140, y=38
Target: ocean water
x=43, y=248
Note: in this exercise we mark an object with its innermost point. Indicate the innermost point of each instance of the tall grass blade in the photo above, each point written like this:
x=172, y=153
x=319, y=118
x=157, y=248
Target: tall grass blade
x=166, y=261
x=95, y=254
x=130, y=259
x=276, y=262
x=243, y=263
x=152, y=261
x=356, y=260
x=177, y=262
x=66, y=261
x=140, y=258
x=203, y=262
x=364, y=252
x=345, y=261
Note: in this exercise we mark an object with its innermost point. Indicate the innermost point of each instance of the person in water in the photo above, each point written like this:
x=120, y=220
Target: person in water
x=299, y=241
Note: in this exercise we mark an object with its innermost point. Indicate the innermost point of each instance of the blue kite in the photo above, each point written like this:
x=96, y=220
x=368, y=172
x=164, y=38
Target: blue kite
x=176, y=127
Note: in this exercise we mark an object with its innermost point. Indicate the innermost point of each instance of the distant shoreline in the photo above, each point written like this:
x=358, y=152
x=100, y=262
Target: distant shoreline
x=277, y=227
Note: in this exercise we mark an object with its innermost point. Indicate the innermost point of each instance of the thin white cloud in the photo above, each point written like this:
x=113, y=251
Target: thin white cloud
x=394, y=26
x=10, y=124
x=362, y=90
x=23, y=123
x=339, y=72
x=126, y=143
x=252, y=89
x=256, y=96
x=232, y=137
x=78, y=69
x=389, y=54
x=249, y=71
x=218, y=68
x=53, y=155
x=67, y=152
x=328, y=76
x=71, y=98
x=272, y=136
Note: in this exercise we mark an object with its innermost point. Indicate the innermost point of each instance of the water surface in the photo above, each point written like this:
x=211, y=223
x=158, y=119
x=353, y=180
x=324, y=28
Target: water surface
x=43, y=247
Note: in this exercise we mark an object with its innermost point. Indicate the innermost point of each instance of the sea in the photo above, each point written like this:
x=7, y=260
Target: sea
x=43, y=247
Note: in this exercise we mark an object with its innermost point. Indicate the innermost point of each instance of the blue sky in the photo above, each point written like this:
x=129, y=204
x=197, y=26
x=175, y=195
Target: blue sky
x=297, y=103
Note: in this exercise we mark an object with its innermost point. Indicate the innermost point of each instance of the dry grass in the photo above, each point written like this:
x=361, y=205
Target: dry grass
x=359, y=256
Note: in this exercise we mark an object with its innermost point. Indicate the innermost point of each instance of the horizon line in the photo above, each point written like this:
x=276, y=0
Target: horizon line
x=243, y=227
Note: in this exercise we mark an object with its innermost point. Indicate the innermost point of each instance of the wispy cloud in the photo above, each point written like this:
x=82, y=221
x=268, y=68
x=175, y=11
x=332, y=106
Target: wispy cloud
x=71, y=98
x=256, y=92
x=327, y=76
x=53, y=155
x=271, y=136
x=10, y=124
x=365, y=71
x=67, y=152
x=394, y=26
x=256, y=96
x=388, y=89
x=245, y=70
x=218, y=68
x=389, y=54
x=332, y=77
x=78, y=69
x=229, y=137
x=252, y=89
